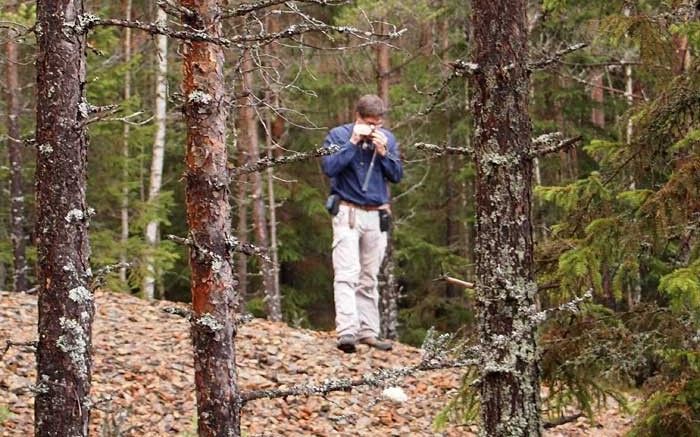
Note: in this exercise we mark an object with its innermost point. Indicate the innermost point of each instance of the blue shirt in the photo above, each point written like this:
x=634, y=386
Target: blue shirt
x=348, y=167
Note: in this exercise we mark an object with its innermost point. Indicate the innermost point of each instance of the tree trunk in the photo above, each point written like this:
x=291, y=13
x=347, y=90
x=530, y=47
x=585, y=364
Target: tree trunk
x=598, y=97
x=125, y=149
x=18, y=234
x=273, y=134
x=158, y=153
x=66, y=309
x=273, y=307
x=208, y=209
x=389, y=289
x=505, y=289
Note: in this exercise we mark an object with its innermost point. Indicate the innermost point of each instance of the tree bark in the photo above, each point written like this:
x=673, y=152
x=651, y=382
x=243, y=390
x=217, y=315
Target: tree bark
x=124, y=212
x=208, y=209
x=65, y=304
x=505, y=289
x=273, y=308
x=158, y=153
x=18, y=234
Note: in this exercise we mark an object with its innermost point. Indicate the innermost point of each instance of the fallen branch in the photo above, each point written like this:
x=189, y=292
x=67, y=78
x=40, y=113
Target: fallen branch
x=267, y=162
x=32, y=345
x=562, y=420
x=375, y=379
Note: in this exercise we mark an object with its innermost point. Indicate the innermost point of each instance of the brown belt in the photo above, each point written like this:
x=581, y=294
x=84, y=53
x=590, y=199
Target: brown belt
x=365, y=207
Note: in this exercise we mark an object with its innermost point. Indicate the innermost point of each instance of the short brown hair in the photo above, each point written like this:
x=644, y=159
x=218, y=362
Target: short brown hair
x=370, y=105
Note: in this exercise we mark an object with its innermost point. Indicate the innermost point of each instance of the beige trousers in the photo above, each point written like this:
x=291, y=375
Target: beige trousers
x=358, y=250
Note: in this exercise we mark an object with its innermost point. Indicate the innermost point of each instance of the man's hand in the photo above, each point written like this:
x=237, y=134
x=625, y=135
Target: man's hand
x=360, y=131
x=380, y=141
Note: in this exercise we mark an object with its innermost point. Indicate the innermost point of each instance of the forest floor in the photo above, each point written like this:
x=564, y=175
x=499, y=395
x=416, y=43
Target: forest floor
x=143, y=379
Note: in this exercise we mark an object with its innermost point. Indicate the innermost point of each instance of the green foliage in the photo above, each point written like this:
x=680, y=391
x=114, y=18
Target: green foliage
x=5, y=414
x=683, y=287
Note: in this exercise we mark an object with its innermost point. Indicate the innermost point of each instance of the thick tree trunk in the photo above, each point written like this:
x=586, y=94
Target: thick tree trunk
x=208, y=209
x=273, y=307
x=18, y=234
x=123, y=257
x=158, y=152
x=505, y=289
x=65, y=304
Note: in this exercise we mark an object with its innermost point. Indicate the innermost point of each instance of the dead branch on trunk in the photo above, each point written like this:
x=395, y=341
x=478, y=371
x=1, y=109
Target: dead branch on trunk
x=100, y=276
x=233, y=244
x=542, y=63
x=439, y=150
x=550, y=143
x=272, y=161
x=451, y=280
x=89, y=21
x=246, y=8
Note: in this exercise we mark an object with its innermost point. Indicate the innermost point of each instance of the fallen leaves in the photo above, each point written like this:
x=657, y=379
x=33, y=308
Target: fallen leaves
x=143, y=378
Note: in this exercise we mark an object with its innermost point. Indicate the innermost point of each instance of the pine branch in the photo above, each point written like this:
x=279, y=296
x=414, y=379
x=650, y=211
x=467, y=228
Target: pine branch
x=267, y=162
x=550, y=143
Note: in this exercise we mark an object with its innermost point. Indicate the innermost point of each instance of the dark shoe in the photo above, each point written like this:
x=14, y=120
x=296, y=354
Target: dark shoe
x=346, y=343
x=376, y=343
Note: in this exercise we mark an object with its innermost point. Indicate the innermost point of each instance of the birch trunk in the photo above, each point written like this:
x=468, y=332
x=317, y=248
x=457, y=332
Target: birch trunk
x=273, y=307
x=18, y=234
x=208, y=210
x=66, y=309
x=157, y=154
x=125, y=148
x=505, y=289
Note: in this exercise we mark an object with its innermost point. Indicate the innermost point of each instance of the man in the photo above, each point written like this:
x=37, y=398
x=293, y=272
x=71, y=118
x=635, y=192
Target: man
x=368, y=157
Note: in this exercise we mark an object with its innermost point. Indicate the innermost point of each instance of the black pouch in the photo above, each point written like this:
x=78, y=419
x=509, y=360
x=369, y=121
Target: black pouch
x=333, y=204
x=384, y=220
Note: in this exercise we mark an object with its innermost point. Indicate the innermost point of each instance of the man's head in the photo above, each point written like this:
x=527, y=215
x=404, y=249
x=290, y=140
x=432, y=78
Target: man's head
x=370, y=109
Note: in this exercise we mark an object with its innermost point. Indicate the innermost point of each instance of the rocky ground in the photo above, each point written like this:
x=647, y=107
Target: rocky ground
x=143, y=379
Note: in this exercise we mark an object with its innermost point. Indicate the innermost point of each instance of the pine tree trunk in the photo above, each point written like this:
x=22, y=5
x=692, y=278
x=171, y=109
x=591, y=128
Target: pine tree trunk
x=18, y=234
x=158, y=152
x=273, y=307
x=208, y=209
x=65, y=305
x=389, y=289
x=505, y=288
x=125, y=149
